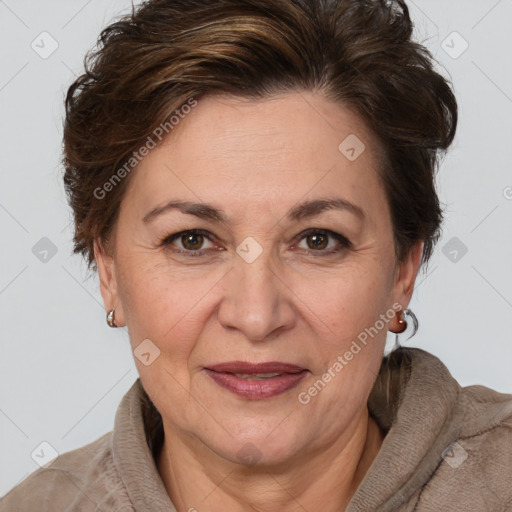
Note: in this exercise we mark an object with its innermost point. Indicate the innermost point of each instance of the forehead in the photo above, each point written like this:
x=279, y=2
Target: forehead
x=249, y=153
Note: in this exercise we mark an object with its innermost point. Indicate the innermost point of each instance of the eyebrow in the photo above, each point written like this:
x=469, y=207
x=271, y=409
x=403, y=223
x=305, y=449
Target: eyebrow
x=211, y=213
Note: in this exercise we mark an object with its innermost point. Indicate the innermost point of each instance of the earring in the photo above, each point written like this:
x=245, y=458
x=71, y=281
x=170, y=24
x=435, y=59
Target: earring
x=402, y=322
x=110, y=318
x=403, y=325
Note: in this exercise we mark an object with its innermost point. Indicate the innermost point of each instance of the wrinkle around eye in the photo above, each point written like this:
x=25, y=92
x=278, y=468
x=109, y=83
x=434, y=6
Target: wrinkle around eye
x=174, y=240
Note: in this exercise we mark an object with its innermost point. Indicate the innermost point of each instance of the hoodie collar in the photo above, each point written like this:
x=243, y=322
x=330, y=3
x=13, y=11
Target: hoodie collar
x=414, y=400
x=137, y=436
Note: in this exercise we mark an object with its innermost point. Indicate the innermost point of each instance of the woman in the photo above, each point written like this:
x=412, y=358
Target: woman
x=253, y=180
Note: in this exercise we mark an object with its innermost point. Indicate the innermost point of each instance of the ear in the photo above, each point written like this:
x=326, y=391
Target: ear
x=108, y=282
x=406, y=274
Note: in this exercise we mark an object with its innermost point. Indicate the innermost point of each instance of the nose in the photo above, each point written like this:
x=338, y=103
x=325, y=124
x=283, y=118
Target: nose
x=257, y=302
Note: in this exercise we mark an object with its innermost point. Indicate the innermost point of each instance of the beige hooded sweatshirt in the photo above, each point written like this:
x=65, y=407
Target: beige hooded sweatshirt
x=447, y=449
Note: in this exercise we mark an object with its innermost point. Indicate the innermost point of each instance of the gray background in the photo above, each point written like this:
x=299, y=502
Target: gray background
x=63, y=371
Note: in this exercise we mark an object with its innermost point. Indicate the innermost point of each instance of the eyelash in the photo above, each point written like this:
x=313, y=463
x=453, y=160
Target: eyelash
x=344, y=242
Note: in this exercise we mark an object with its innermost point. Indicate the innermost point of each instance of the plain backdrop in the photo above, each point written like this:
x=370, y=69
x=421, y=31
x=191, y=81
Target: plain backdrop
x=63, y=371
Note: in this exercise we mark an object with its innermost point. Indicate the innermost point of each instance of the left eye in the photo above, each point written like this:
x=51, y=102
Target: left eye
x=317, y=240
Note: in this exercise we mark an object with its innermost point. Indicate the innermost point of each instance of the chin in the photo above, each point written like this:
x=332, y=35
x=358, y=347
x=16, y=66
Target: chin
x=258, y=450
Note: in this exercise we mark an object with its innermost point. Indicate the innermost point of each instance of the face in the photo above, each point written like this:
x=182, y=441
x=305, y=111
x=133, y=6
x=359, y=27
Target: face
x=265, y=278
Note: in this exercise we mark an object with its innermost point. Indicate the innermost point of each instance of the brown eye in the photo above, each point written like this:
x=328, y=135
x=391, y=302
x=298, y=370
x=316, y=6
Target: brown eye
x=317, y=241
x=192, y=241
x=323, y=242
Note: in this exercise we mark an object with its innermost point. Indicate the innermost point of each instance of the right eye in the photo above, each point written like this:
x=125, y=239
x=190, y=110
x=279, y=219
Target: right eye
x=190, y=240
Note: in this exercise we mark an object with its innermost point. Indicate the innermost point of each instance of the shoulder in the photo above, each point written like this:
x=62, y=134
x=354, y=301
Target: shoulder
x=84, y=479
x=486, y=433
x=475, y=472
x=485, y=414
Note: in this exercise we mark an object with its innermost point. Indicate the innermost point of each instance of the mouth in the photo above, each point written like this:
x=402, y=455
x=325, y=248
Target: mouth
x=256, y=381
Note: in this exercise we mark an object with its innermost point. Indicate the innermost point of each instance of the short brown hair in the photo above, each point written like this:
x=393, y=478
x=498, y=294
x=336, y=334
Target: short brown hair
x=360, y=53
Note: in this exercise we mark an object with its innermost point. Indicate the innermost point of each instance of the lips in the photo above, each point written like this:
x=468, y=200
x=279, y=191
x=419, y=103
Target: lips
x=256, y=381
x=255, y=368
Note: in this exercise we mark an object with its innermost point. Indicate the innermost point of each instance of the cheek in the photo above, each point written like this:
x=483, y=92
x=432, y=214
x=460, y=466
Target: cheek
x=166, y=307
x=164, y=311
x=351, y=348
x=345, y=304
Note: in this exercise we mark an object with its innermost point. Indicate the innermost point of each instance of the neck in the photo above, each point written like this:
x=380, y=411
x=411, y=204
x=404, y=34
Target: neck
x=197, y=479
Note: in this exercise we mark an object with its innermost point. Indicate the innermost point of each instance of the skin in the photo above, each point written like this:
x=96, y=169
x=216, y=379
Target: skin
x=256, y=160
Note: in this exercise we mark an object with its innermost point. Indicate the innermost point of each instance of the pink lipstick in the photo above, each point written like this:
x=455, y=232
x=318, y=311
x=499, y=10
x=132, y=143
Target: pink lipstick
x=256, y=381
